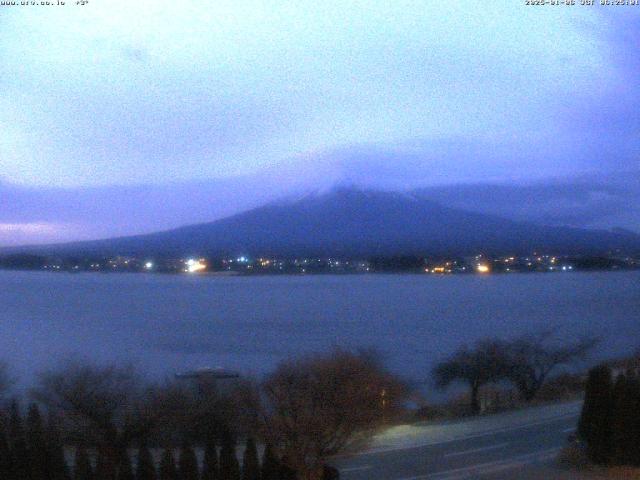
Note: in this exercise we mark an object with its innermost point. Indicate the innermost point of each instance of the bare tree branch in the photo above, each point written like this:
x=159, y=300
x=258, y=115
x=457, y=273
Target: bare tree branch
x=321, y=405
x=533, y=358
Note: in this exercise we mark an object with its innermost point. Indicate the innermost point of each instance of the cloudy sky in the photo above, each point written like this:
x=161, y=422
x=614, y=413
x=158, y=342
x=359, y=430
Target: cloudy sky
x=123, y=117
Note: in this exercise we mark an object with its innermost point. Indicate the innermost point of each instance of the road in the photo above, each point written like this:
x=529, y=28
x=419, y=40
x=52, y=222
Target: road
x=489, y=447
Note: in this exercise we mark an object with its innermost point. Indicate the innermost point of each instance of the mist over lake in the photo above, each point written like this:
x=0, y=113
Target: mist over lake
x=165, y=324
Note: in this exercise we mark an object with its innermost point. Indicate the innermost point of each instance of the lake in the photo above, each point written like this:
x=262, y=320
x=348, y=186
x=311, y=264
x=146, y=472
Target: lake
x=166, y=324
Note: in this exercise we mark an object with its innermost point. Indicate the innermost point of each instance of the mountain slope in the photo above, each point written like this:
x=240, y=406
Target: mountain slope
x=361, y=223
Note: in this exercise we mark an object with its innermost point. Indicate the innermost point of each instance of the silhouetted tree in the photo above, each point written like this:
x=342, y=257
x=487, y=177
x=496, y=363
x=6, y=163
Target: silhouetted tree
x=485, y=363
x=187, y=463
x=145, y=469
x=625, y=435
x=287, y=472
x=6, y=469
x=106, y=400
x=270, y=464
x=106, y=468
x=83, y=470
x=531, y=359
x=5, y=380
x=330, y=473
x=210, y=465
x=37, y=445
x=20, y=458
x=229, y=466
x=168, y=469
x=634, y=447
x=250, y=463
x=622, y=419
x=595, y=420
x=125, y=470
x=190, y=413
x=58, y=464
x=317, y=406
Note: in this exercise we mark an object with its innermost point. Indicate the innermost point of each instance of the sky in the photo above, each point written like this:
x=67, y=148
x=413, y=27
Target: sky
x=123, y=117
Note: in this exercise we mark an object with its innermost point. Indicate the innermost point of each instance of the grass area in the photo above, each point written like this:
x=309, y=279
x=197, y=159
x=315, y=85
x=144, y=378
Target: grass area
x=458, y=408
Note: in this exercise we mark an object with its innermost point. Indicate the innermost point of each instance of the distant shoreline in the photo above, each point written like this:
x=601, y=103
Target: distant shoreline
x=226, y=274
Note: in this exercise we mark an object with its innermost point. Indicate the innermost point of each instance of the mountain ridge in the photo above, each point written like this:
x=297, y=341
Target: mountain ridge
x=347, y=221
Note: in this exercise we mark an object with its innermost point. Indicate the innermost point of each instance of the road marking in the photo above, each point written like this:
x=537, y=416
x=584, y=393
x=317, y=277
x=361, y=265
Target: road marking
x=355, y=469
x=569, y=430
x=497, y=466
x=485, y=433
x=473, y=470
x=476, y=450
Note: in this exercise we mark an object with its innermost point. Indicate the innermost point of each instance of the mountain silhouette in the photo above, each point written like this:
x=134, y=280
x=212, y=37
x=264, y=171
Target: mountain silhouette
x=360, y=223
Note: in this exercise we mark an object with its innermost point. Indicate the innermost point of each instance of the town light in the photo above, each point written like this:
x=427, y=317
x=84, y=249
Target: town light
x=194, y=266
x=482, y=268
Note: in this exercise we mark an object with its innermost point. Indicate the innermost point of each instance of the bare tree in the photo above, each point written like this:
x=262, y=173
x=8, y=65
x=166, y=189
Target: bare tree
x=483, y=364
x=102, y=403
x=531, y=359
x=183, y=415
x=6, y=381
x=319, y=406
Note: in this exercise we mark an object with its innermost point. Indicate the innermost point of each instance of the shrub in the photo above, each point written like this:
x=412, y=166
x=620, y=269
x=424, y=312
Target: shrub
x=595, y=421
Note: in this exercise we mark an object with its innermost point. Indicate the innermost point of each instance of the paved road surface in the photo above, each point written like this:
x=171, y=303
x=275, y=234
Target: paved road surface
x=489, y=447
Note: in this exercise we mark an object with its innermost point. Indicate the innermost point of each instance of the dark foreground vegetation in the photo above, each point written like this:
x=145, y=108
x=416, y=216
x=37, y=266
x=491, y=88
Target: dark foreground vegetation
x=89, y=422
x=610, y=421
x=115, y=426
x=526, y=363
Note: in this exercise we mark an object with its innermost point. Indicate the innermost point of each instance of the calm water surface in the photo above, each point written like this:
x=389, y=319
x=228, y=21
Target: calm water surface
x=169, y=323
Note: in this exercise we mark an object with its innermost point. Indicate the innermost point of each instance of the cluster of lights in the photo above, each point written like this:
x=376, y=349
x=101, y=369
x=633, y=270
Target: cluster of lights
x=195, y=266
x=482, y=268
x=439, y=270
